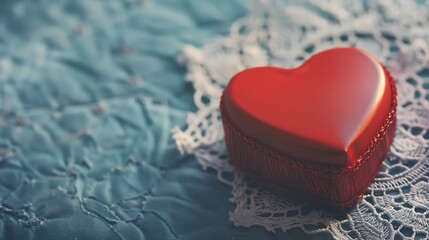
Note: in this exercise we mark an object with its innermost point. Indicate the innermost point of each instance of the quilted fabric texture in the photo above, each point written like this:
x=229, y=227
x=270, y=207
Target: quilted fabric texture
x=89, y=93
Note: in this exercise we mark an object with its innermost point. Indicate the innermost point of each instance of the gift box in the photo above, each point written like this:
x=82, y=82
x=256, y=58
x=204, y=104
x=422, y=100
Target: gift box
x=317, y=133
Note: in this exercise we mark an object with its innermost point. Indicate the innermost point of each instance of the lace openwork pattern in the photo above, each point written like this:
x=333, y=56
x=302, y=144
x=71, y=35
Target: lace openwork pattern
x=396, y=205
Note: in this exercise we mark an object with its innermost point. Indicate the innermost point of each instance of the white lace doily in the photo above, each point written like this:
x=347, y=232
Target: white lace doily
x=396, y=206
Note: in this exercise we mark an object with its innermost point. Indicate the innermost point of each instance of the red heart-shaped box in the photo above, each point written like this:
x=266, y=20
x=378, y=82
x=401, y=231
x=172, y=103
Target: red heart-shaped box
x=317, y=133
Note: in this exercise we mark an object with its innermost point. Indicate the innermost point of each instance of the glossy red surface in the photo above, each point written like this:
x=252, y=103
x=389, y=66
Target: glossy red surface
x=326, y=111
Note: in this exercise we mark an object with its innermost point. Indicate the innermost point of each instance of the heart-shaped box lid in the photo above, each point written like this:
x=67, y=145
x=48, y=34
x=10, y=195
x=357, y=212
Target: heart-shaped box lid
x=326, y=111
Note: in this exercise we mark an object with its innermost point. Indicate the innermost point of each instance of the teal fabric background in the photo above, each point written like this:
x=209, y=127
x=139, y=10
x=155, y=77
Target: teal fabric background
x=90, y=91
